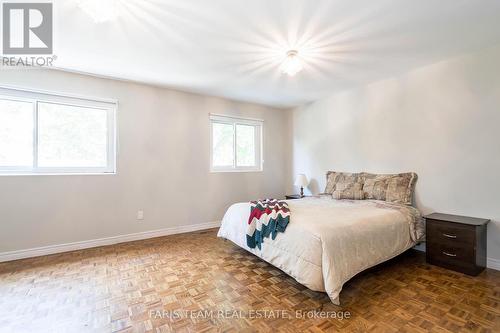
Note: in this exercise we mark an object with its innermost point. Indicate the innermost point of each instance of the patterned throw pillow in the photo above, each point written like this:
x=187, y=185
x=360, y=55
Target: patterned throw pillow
x=349, y=190
x=343, y=185
x=324, y=195
x=333, y=178
x=397, y=188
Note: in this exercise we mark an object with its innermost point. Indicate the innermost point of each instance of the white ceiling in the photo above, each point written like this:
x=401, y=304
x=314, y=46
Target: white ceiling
x=233, y=48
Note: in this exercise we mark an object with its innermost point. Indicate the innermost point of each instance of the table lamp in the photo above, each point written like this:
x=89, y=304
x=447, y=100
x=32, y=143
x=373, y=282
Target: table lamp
x=301, y=181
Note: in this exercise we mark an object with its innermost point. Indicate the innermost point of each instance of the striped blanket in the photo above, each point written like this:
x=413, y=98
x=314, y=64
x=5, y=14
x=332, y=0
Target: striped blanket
x=267, y=217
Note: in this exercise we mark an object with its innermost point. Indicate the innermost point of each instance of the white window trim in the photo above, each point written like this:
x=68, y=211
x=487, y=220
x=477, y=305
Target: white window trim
x=37, y=96
x=259, y=142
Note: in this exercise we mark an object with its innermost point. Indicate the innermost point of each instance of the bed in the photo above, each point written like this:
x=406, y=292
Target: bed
x=328, y=241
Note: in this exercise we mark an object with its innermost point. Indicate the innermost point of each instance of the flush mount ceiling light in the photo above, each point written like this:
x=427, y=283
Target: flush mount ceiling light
x=100, y=10
x=292, y=63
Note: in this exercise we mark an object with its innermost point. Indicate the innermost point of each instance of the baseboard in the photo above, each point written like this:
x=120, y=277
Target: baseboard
x=493, y=263
x=490, y=262
x=52, y=249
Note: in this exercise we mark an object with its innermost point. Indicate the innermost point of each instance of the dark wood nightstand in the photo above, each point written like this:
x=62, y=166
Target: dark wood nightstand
x=293, y=196
x=456, y=242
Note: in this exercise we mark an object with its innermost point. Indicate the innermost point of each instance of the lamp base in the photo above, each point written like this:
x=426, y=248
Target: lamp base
x=301, y=192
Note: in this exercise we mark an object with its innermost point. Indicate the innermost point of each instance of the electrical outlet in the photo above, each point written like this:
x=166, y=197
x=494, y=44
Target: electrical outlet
x=140, y=215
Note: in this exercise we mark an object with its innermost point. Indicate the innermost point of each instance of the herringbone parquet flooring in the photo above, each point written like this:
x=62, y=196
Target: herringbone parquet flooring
x=181, y=283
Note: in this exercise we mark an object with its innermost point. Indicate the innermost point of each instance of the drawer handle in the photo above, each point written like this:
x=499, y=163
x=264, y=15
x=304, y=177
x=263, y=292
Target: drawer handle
x=449, y=254
x=450, y=236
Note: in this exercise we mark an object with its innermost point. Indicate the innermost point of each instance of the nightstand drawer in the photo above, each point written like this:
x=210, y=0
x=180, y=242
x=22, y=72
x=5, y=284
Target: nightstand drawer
x=449, y=233
x=458, y=258
x=445, y=252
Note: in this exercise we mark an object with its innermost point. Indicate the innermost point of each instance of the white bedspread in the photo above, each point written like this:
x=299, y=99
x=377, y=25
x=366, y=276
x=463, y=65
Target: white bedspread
x=329, y=241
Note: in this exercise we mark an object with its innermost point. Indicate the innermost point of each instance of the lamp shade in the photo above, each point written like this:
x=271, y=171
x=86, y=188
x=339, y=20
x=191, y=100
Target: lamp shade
x=301, y=180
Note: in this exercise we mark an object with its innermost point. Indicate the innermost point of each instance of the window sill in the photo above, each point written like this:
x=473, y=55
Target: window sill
x=234, y=171
x=18, y=174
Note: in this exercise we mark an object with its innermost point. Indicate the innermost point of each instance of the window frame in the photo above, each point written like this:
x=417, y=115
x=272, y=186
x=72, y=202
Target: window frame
x=38, y=96
x=258, y=125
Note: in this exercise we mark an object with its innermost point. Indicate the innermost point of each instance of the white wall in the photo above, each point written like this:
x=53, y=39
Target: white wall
x=163, y=167
x=441, y=121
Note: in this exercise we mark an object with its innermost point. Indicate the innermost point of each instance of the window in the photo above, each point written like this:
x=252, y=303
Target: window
x=236, y=144
x=42, y=133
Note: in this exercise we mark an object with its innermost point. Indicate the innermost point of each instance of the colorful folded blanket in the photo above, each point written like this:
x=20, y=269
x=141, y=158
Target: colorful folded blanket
x=267, y=217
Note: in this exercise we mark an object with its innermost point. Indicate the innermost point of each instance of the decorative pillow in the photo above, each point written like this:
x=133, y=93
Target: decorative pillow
x=333, y=178
x=349, y=190
x=325, y=196
x=397, y=188
x=344, y=185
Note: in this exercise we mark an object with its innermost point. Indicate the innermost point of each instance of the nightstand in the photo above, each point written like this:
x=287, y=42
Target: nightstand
x=293, y=196
x=456, y=242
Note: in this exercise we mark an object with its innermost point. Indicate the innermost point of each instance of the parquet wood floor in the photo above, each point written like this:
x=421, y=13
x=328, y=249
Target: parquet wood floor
x=143, y=286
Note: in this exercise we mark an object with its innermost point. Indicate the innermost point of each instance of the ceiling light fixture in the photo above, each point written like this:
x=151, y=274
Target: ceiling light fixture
x=100, y=10
x=292, y=63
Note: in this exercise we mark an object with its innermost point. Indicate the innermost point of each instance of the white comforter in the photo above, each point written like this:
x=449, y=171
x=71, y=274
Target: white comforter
x=329, y=241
